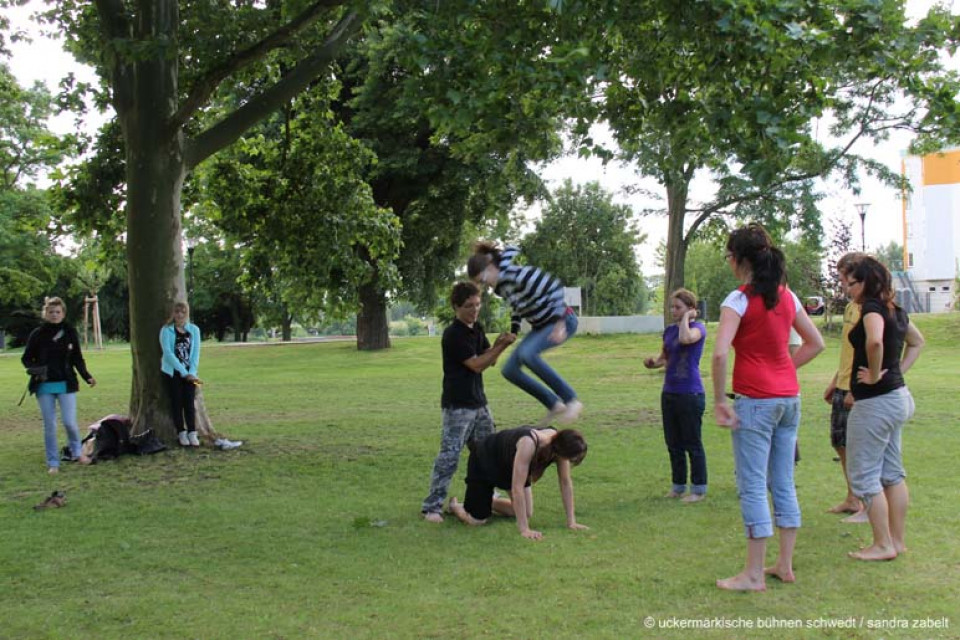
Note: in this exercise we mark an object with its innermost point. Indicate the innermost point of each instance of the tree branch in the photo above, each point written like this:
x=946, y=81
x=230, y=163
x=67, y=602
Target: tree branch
x=234, y=125
x=205, y=86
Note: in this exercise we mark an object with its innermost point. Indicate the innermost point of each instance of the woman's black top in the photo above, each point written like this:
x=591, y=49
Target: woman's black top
x=495, y=455
x=56, y=346
x=894, y=331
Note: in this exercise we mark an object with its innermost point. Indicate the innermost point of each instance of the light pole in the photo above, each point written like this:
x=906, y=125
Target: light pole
x=191, y=247
x=862, y=210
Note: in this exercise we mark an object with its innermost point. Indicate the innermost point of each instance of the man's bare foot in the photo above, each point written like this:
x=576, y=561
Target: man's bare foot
x=899, y=547
x=673, y=494
x=783, y=575
x=742, y=582
x=693, y=497
x=859, y=517
x=433, y=517
x=847, y=506
x=874, y=553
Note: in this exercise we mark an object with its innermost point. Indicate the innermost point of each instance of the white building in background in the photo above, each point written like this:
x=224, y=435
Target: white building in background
x=931, y=229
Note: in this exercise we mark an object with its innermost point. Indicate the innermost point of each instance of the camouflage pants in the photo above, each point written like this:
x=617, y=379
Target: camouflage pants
x=459, y=427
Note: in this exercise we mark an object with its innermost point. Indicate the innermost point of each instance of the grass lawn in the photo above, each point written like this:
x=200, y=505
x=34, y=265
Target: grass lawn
x=311, y=529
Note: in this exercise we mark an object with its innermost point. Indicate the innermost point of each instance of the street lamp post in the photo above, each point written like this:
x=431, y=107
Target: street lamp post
x=862, y=210
x=191, y=247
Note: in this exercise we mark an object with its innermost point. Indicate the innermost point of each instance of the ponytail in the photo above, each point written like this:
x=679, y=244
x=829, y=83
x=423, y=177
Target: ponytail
x=768, y=265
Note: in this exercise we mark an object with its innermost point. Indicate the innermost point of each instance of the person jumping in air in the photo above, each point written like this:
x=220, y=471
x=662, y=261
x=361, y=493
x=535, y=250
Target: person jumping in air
x=537, y=297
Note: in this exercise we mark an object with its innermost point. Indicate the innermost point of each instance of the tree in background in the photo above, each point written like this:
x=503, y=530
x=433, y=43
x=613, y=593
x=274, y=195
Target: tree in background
x=891, y=255
x=456, y=100
x=162, y=62
x=841, y=243
x=292, y=197
x=587, y=241
x=29, y=267
x=739, y=90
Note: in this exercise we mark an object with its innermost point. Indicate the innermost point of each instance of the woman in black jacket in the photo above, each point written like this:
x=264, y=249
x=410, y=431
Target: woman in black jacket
x=53, y=359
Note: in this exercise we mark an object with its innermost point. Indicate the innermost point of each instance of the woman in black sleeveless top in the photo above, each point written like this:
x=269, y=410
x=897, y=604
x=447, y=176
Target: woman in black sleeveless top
x=513, y=460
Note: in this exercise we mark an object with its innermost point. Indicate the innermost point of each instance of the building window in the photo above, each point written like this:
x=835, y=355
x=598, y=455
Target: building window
x=944, y=288
x=931, y=288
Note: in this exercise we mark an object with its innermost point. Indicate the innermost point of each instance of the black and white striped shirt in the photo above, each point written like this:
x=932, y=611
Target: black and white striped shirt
x=533, y=294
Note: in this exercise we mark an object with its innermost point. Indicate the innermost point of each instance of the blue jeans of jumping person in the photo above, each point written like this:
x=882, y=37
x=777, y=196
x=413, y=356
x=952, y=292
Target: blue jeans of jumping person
x=763, y=449
x=68, y=415
x=527, y=354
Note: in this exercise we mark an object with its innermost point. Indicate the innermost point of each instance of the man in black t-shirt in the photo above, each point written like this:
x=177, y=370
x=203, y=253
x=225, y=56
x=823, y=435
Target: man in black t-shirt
x=466, y=417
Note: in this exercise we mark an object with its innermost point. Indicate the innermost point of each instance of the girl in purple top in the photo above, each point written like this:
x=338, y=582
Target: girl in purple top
x=682, y=401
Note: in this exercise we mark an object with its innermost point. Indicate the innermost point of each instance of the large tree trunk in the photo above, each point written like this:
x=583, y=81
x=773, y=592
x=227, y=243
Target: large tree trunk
x=146, y=97
x=154, y=172
x=676, y=244
x=286, y=327
x=372, y=329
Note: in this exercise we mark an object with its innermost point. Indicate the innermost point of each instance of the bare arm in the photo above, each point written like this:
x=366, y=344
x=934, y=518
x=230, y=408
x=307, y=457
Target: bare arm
x=566, y=493
x=812, y=340
x=656, y=363
x=871, y=374
x=521, y=470
x=828, y=393
x=688, y=334
x=729, y=324
x=489, y=357
x=915, y=341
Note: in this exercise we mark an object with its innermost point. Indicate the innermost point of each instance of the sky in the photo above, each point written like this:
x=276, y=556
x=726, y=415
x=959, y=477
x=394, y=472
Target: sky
x=45, y=60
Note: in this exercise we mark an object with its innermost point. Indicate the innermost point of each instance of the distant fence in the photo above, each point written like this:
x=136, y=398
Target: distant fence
x=620, y=324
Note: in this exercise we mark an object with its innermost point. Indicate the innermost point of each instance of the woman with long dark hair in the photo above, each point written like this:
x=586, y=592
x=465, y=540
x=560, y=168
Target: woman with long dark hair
x=537, y=297
x=885, y=345
x=513, y=460
x=755, y=319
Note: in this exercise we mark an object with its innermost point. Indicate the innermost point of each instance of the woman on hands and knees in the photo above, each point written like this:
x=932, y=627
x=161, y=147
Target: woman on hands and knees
x=513, y=460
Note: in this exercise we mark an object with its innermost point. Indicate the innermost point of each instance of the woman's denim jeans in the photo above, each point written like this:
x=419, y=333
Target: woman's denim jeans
x=68, y=415
x=763, y=447
x=527, y=353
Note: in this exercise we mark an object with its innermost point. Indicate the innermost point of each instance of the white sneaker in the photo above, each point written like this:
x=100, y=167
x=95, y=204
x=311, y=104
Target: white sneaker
x=553, y=414
x=194, y=441
x=182, y=437
x=574, y=407
x=226, y=445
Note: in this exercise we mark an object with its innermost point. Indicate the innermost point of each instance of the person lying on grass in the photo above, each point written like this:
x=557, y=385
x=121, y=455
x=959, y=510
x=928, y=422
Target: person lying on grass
x=513, y=460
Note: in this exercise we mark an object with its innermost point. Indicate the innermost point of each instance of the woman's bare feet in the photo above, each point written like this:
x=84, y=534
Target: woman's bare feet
x=860, y=517
x=783, y=575
x=693, y=497
x=847, y=506
x=433, y=517
x=742, y=582
x=874, y=553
